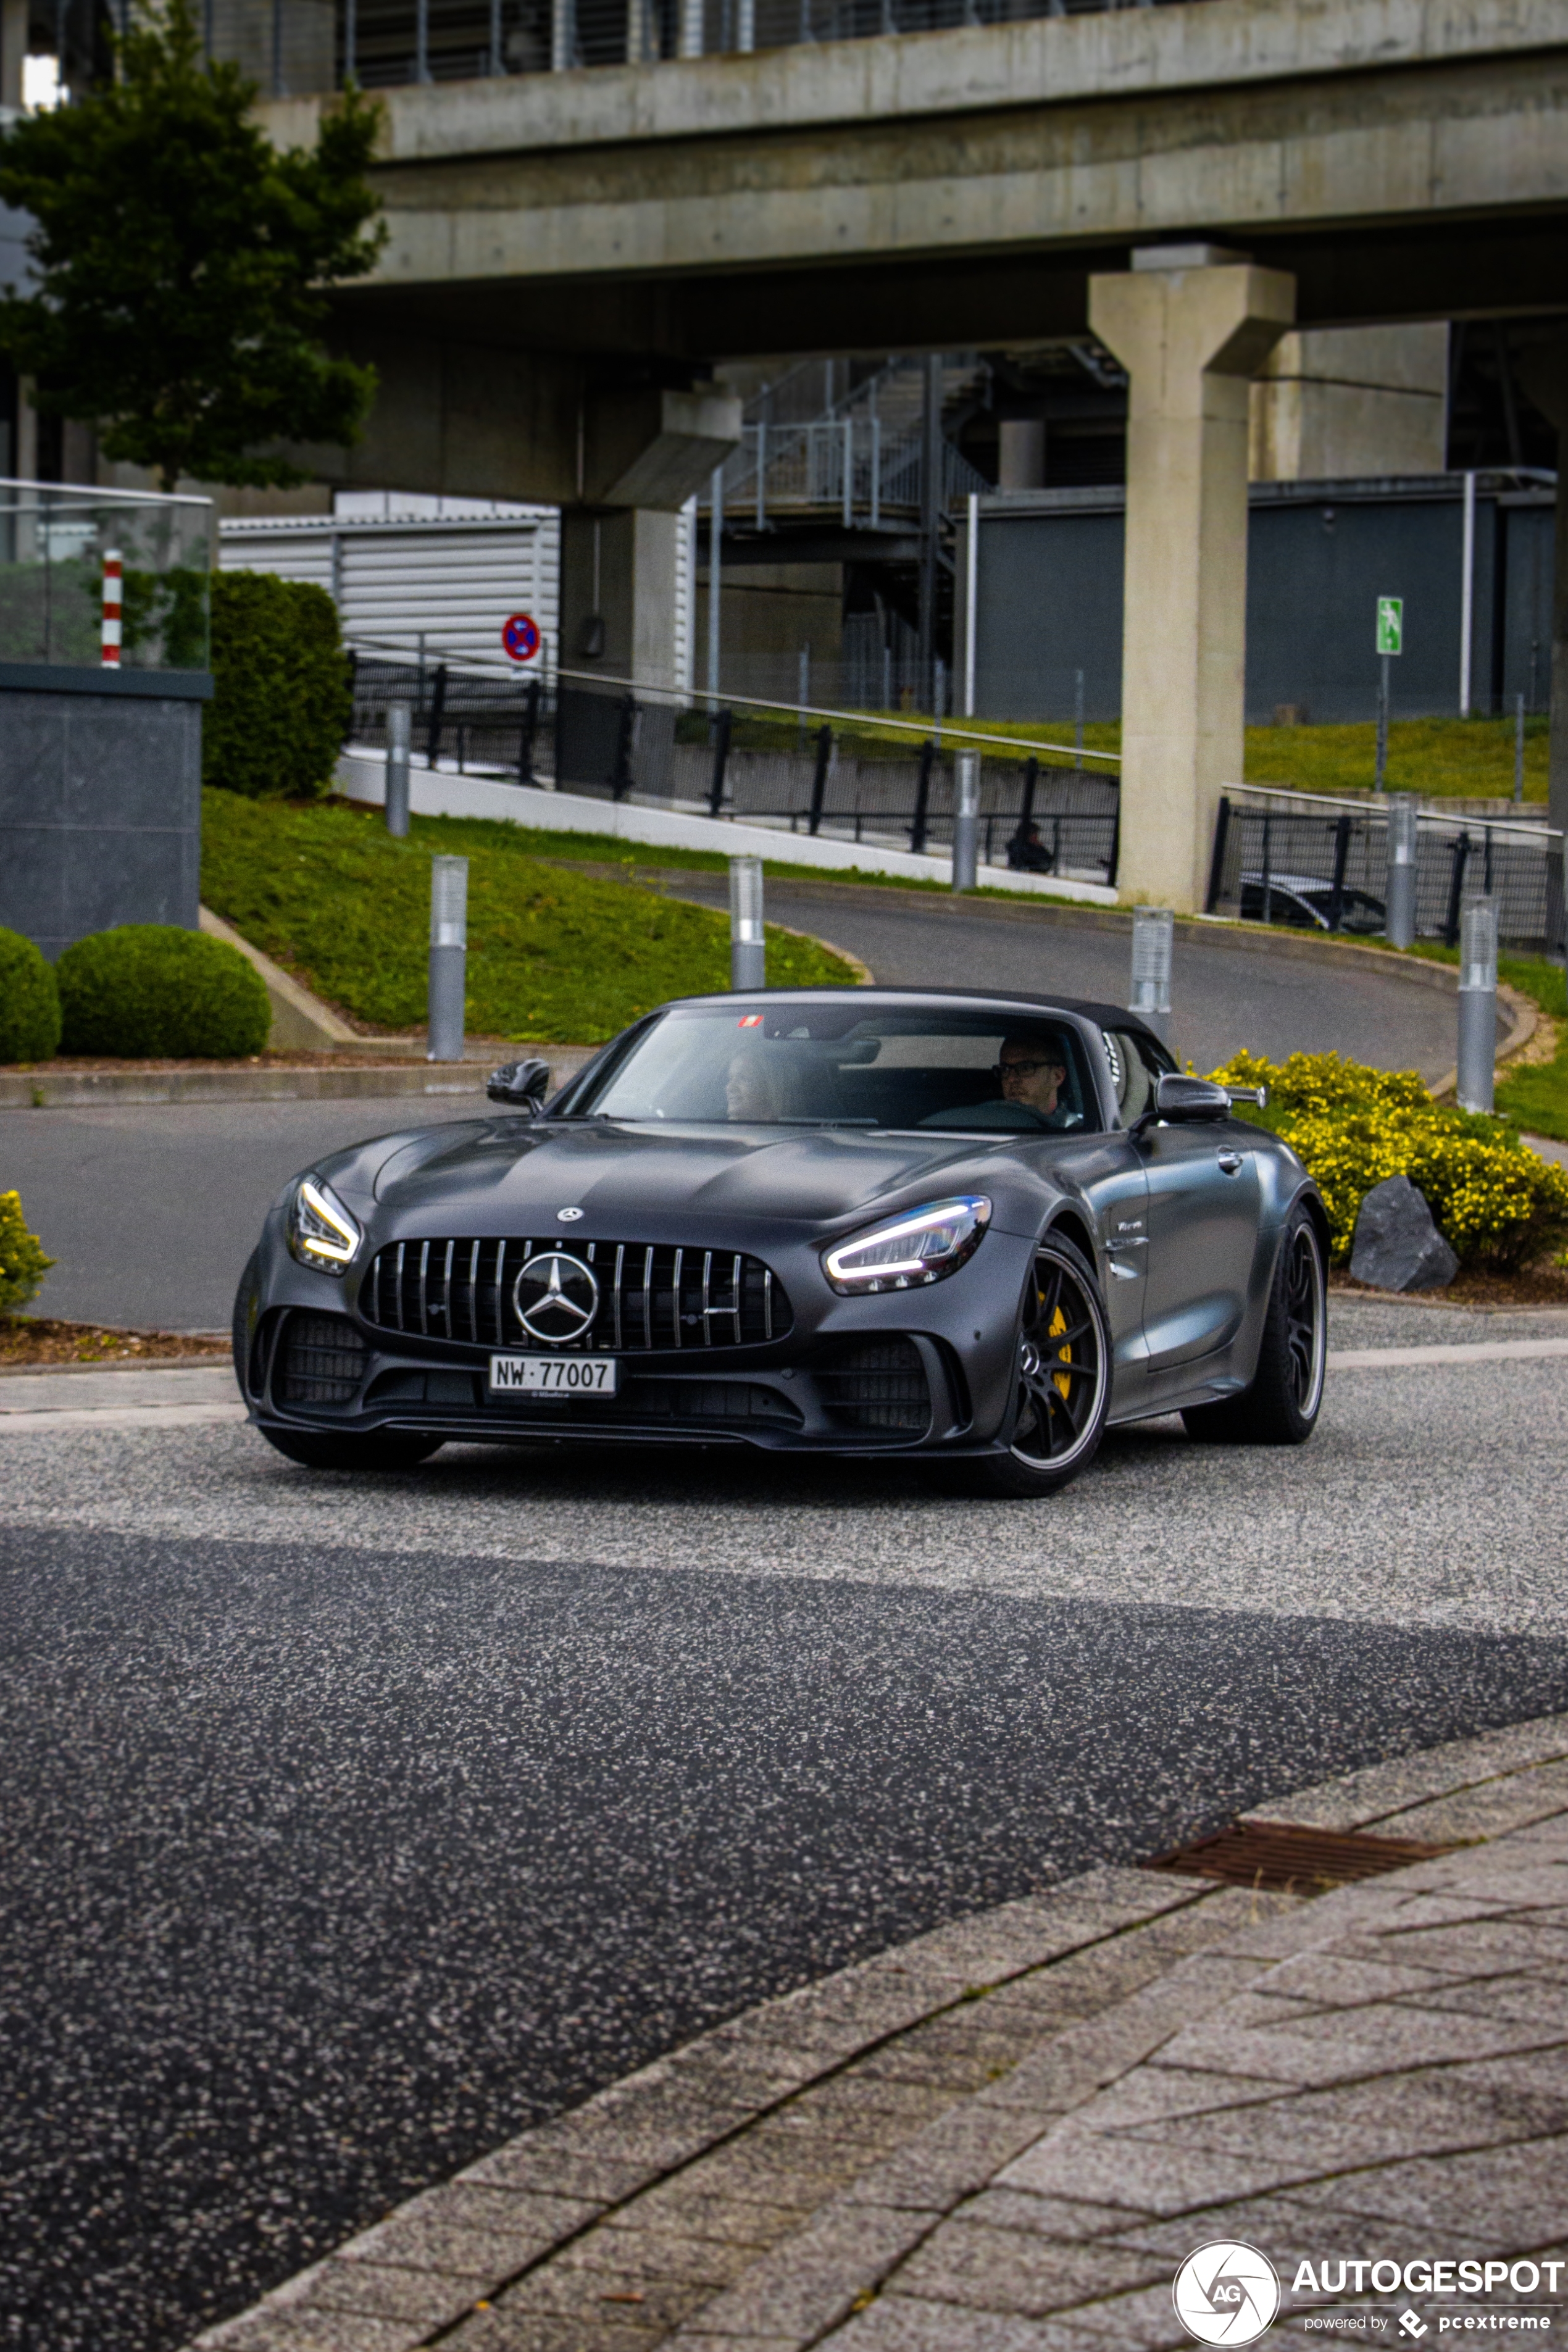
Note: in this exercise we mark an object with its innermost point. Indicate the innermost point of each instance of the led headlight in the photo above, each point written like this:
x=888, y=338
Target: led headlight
x=321, y=1231
x=921, y=1246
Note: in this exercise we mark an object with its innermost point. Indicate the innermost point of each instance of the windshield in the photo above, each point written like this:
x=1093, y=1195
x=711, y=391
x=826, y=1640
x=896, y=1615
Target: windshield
x=825, y=1064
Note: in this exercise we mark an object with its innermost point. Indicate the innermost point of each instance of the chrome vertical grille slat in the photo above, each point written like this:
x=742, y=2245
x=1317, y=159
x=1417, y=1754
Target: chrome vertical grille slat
x=652, y=1296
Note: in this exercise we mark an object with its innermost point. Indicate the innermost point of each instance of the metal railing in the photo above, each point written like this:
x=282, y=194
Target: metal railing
x=297, y=47
x=788, y=767
x=847, y=466
x=1313, y=863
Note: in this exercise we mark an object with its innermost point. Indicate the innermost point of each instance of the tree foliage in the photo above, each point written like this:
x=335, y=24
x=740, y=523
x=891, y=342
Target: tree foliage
x=182, y=263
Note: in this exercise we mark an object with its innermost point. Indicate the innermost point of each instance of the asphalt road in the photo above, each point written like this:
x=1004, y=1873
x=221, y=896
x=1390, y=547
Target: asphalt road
x=1223, y=996
x=151, y=1211
x=351, y=1825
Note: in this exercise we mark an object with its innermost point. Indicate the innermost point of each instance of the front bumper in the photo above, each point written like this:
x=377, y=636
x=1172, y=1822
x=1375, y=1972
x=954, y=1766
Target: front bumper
x=928, y=1371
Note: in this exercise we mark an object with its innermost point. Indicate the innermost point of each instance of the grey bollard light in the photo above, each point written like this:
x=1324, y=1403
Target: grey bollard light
x=448, y=956
x=1153, y=934
x=1399, y=916
x=1478, y=1003
x=966, y=822
x=748, y=943
x=399, y=737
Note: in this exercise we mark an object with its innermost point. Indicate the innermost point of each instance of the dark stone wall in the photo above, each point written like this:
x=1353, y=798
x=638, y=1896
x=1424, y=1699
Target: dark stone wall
x=100, y=809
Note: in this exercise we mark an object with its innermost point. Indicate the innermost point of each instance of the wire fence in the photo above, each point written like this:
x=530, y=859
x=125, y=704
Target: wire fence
x=1325, y=867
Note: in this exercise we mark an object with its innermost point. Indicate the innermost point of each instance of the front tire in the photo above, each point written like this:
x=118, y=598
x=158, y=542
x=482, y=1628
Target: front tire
x=1282, y=1406
x=393, y=1449
x=1062, y=1384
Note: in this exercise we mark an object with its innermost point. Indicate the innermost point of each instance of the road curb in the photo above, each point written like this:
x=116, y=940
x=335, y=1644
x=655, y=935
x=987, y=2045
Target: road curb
x=355, y=1081
x=861, y=2108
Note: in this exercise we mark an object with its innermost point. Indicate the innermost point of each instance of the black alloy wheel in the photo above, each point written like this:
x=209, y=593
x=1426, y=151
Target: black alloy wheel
x=1282, y=1406
x=1063, y=1384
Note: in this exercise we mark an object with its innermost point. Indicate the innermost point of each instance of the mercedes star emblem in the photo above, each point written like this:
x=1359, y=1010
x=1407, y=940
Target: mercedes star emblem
x=567, y=1216
x=557, y=1298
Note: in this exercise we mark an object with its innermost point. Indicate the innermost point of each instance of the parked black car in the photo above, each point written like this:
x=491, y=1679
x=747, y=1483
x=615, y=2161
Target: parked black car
x=951, y=1224
x=1308, y=902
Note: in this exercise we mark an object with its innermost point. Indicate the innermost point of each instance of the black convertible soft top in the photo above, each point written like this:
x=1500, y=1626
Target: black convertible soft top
x=1088, y=1008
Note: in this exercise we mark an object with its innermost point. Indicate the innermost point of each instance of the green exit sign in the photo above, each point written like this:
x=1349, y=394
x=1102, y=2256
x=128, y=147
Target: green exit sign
x=1391, y=625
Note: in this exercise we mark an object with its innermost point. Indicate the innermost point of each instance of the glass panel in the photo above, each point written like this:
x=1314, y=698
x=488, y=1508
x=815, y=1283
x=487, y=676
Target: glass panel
x=55, y=542
x=818, y=1064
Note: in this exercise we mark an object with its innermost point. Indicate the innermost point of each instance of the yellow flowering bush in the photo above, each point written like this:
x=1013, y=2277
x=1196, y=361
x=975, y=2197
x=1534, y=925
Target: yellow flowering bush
x=1496, y=1204
x=23, y=1265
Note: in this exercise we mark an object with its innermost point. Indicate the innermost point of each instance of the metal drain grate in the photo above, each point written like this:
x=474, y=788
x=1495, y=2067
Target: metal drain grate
x=1284, y=1859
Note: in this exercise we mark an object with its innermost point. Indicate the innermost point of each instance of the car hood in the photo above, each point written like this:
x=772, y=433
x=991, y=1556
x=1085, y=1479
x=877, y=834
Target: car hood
x=508, y=1174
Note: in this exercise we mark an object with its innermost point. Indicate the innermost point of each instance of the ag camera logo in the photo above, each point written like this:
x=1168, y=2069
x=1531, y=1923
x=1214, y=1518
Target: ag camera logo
x=1227, y=2293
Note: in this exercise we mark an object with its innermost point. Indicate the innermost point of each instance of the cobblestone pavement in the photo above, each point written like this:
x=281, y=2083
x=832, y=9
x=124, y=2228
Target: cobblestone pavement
x=351, y=1827
x=1007, y=2136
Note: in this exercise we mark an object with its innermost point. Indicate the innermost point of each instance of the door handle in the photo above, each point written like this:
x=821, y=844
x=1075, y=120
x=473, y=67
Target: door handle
x=1231, y=1161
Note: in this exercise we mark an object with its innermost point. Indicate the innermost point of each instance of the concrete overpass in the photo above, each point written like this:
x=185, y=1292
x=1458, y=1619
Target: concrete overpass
x=571, y=254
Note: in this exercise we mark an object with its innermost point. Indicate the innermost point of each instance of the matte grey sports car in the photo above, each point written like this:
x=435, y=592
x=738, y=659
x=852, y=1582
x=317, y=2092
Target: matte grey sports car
x=953, y=1225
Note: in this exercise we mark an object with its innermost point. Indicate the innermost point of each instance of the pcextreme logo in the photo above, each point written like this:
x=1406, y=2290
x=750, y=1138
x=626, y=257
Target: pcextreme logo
x=1227, y=2293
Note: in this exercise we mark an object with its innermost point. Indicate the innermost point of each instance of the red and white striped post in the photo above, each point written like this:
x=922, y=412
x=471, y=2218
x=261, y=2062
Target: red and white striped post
x=112, y=563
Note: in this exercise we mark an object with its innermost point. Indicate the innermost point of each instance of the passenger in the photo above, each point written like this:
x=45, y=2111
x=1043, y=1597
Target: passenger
x=1030, y=1073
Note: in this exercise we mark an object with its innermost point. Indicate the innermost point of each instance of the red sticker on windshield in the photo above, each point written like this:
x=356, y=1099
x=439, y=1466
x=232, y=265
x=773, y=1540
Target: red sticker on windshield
x=751, y=1020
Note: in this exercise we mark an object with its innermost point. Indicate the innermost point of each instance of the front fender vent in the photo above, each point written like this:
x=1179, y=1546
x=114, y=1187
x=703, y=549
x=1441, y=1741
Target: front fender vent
x=650, y=1297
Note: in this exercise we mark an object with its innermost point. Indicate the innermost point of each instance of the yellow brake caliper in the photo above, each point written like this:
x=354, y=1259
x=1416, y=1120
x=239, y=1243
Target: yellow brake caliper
x=1058, y=1324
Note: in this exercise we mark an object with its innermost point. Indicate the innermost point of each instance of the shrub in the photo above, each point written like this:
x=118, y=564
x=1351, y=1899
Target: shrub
x=282, y=701
x=30, y=1002
x=1350, y=1126
x=148, y=988
x=23, y=1265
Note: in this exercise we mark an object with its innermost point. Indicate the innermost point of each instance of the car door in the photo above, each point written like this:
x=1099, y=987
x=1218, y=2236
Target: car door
x=1202, y=1209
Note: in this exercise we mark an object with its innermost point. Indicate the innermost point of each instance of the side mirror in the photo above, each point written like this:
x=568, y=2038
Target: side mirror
x=524, y=1084
x=1180, y=1100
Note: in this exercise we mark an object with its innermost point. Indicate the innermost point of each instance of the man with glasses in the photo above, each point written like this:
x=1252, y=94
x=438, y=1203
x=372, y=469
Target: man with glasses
x=1030, y=1073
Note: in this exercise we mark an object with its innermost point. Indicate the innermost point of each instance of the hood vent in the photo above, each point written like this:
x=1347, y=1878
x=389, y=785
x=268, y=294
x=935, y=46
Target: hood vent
x=649, y=1296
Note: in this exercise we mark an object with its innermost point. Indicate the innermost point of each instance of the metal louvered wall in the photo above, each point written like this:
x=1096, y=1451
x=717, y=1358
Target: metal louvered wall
x=451, y=581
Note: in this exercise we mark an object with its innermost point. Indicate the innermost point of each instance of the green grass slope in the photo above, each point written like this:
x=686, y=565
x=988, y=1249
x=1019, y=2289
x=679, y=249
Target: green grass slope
x=553, y=956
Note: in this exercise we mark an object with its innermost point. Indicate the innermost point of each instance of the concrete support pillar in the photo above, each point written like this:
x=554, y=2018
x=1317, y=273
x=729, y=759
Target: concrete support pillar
x=618, y=569
x=1021, y=452
x=1190, y=325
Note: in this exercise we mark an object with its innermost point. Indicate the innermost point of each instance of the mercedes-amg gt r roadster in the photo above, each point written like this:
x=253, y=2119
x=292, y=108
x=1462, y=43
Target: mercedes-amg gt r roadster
x=955, y=1225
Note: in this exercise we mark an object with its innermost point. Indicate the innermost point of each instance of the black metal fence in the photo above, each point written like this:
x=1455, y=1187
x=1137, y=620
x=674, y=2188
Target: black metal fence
x=1326, y=871
x=795, y=772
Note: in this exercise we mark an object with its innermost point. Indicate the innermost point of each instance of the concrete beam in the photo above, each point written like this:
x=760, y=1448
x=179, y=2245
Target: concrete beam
x=1063, y=61
x=1191, y=338
x=465, y=419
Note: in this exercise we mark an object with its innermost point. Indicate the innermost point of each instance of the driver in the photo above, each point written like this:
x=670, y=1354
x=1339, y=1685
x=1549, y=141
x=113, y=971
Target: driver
x=1030, y=1073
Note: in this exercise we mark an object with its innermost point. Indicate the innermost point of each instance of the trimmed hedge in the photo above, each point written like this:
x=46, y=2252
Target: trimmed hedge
x=282, y=701
x=23, y=1265
x=30, y=1002
x=1350, y=1126
x=149, y=990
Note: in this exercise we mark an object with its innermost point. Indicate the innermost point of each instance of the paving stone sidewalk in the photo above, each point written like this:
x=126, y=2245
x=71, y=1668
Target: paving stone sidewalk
x=1006, y=2136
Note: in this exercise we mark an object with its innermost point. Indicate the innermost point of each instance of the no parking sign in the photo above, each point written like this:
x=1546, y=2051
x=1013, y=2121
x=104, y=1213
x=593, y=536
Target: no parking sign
x=520, y=636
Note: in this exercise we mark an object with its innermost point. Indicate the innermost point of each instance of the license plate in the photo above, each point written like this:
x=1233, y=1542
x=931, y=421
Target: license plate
x=553, y=1375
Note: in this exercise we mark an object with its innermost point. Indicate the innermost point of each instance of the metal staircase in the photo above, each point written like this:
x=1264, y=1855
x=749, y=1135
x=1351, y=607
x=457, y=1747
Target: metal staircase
x=856, y=459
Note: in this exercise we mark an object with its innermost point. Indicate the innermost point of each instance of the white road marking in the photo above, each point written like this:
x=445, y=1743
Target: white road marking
x=1477, y=1351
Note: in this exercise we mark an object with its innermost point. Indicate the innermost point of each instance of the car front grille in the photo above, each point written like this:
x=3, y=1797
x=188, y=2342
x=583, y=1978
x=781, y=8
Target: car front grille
x=875, y=1384
x=322, y=1362
x=649, y=1296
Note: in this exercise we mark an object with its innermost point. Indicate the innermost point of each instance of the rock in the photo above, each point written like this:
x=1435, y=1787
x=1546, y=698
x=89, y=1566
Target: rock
x=1396, y=1245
